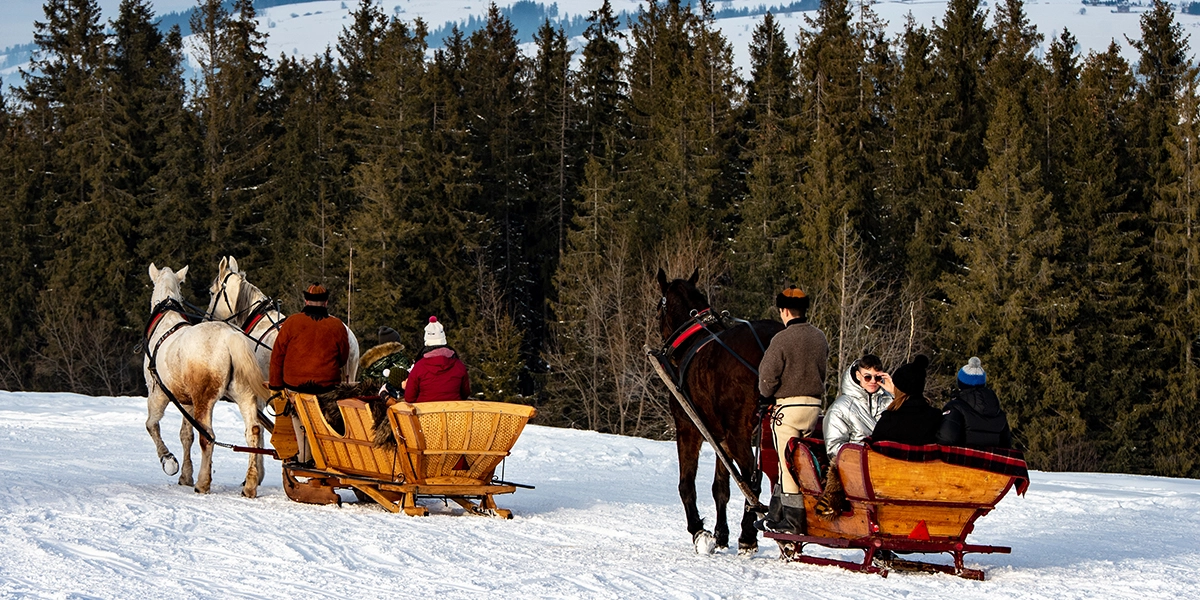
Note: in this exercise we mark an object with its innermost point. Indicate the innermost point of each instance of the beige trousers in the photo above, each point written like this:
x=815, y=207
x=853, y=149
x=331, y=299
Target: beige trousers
x=793, y=417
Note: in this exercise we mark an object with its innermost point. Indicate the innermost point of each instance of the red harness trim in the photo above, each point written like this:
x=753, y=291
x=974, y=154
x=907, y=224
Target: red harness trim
x=250, y=326
x=687, y=333
x=154, y=323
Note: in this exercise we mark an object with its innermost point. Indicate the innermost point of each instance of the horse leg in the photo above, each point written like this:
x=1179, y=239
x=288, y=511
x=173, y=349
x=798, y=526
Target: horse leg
x=720, y=492
x=254, y=471
x=743, y=457
x=156, y=406
x=186, y=437
x=204, y=415
x=687, y=443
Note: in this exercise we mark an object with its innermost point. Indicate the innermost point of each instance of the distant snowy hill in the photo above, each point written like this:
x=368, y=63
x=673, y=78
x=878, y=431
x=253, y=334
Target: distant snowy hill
x=85, y=512
x=308, y=28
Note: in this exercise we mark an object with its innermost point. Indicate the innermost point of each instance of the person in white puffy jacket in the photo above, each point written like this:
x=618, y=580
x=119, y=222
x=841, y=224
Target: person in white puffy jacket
x=851, y=418
x=861, y=401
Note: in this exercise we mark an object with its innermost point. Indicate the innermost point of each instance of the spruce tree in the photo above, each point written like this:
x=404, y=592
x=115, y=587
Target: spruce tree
x=964, y=48
x=914, y=185
x=1176, y=217
x=602, y=90
x=554, y=166
x=1006, y=305
x=232, y=113
x=760, y=254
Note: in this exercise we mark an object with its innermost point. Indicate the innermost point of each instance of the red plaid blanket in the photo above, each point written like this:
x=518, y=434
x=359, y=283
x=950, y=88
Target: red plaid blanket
x=1005, y=461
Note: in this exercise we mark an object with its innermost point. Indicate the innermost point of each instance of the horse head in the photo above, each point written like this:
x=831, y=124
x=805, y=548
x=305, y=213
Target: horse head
x=679, y=298
x=166, y=284
x=225, y=290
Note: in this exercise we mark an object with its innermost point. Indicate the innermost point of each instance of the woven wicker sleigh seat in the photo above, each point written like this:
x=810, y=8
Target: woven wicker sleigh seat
x=444, y=449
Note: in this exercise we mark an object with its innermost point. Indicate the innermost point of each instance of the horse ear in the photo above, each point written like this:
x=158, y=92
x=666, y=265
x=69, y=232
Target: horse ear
x=222, y=266
x=153, y=272
x=662, y=280
x=182, y=274
x=233, y=267
x=695, y=276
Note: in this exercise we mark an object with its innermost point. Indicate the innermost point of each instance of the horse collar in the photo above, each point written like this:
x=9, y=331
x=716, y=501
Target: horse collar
x=699, y=321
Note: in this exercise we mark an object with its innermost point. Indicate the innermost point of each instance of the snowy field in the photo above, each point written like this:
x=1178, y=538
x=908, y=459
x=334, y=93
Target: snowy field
x=85, y=512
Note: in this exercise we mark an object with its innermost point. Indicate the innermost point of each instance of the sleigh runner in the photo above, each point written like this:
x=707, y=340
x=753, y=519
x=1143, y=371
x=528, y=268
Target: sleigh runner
x=447, y=450
x=907, y=499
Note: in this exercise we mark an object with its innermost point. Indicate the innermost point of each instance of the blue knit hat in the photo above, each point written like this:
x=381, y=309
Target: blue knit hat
x=972, y=373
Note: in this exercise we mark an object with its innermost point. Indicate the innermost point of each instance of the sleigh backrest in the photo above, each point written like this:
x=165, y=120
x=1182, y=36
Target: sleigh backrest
x=354, y=452
x=457, y=442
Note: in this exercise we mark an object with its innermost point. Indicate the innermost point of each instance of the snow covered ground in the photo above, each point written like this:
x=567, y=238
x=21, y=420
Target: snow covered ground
x=85, y=512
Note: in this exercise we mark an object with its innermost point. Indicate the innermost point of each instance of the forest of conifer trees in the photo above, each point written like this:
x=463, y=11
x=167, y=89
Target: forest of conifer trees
x=945, y=191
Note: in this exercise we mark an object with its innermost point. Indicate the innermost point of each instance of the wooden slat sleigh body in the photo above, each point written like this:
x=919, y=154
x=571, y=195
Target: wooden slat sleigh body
x=444, y=450
x=901, y=506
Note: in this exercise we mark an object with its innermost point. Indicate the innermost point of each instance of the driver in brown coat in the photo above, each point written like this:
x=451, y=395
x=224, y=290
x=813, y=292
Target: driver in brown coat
x=792, y=372
x=309, y=353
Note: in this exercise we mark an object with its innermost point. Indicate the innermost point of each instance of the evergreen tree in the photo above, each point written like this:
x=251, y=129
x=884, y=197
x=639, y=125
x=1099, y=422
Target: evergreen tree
x=915, y=183
x=1085, y=113
x=1176, y=215
x=837, y=217
x=602, y=91
x=89, y=305
x=679, y=105
x=18, y=225
x=964, y=47
x=230, y=106
x=554, y=169
x=1006, y=304
x=761, y=254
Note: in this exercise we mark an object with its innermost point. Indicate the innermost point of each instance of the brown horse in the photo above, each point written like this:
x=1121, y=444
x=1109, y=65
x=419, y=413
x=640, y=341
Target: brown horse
x=724, y=391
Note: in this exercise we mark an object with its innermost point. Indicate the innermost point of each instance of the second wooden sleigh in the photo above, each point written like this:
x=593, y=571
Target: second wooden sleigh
x=898, y=507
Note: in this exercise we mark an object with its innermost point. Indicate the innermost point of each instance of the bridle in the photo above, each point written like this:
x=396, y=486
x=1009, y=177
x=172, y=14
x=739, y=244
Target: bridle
x=253, y=313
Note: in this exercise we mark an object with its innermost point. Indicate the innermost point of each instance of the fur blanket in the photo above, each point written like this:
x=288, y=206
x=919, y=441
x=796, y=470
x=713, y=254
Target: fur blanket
x=384, y=438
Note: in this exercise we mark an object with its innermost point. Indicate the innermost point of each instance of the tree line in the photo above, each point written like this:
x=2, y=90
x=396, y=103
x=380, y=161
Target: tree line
x=946, y=191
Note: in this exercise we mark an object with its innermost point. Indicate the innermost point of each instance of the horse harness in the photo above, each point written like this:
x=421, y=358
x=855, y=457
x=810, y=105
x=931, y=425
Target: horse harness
x=701, y=321
x=704, y=321
x=160, y=310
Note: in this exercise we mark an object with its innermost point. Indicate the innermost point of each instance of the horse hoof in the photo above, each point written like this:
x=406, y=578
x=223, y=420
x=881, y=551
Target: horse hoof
x=170, y=466
x=186, y=481
x=200, y=490
x=250, y=493
x=745, y=549
x=705, y=542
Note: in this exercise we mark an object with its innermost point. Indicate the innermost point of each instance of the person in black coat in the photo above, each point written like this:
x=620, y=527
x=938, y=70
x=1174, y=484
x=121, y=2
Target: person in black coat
x=909, y=419
x=973, y=417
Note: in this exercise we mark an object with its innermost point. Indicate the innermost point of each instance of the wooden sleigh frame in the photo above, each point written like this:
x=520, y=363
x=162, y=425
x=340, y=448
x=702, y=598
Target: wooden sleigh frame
x=446, y=450
x=898, y=506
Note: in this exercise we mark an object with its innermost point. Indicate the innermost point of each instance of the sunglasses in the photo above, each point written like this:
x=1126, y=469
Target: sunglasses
x=871, y=377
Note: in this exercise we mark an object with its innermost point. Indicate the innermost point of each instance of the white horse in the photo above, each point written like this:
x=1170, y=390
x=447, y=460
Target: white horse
x=240, y=303
x=198, y=364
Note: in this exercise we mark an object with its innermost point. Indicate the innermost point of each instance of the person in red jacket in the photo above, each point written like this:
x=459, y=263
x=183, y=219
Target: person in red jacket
x=438, y=373
x=311, y=349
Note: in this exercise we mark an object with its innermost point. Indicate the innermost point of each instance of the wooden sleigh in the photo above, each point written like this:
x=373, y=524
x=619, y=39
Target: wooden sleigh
x=447, y=450
x=896, y=506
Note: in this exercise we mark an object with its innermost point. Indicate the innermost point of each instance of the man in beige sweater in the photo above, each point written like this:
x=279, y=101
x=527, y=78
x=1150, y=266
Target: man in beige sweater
x=793, y=373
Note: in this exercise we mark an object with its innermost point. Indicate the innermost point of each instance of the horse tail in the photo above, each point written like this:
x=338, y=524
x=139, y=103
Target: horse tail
x=245, y=368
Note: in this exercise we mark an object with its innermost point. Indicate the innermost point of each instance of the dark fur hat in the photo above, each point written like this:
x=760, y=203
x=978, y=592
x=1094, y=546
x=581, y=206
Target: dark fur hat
x=792, y=298
x=910, y=377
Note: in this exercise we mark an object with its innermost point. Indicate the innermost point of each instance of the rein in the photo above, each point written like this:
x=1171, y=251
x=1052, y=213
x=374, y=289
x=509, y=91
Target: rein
x=254, y=314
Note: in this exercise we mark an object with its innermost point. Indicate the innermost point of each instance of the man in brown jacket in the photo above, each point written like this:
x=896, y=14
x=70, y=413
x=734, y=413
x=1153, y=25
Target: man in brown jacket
x=793, y=373
x=311, y=349
x=308, y=355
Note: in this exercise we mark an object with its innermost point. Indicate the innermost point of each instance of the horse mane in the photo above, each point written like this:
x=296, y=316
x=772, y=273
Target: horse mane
x=248, y=294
